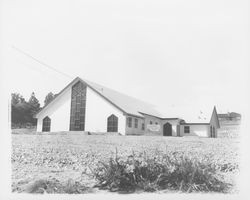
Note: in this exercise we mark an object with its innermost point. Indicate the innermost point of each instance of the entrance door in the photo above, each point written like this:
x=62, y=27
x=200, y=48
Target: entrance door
x=167, y=129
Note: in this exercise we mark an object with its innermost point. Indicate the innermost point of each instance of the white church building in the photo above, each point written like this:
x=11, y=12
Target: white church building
x=86, y=106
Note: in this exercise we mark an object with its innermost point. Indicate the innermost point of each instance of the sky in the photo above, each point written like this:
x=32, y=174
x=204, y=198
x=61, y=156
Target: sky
x=169, y=53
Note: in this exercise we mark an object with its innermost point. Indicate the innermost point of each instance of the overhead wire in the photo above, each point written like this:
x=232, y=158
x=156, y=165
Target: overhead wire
x=40, y=62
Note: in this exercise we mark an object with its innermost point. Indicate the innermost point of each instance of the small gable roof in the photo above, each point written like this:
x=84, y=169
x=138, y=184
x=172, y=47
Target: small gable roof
x=215, y=115
x=201, y=115
x=234, y=114
x=222, y=115
x=229, y=115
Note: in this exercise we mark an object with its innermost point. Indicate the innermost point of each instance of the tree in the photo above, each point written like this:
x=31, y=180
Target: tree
x=34, y=107
x=21, y=111
x=16, y=98
x=49, y=97
x=17, y=114
x=34, y=103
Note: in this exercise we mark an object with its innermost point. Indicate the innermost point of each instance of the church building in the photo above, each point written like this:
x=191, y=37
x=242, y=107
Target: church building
x=86, y=106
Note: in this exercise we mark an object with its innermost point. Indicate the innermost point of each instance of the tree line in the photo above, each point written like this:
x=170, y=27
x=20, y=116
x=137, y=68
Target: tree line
x=22, y=111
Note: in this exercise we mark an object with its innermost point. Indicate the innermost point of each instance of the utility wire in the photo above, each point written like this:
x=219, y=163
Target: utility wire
x=40, y=62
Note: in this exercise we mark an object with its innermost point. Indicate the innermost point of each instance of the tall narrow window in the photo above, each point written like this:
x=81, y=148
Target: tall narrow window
x=112, y=124
x=78, y=103
x=186, y=129
x=143, y=126
x=213, y=131
x=151, y=122
x=129, y=121
x=46, y=124
x=136, y=123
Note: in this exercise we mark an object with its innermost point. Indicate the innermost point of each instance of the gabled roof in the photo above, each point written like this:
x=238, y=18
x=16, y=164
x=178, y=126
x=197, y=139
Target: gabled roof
x=216, y=117
x=126, y=104
x=223, y=115
x=229, y=115
x=201, y=115
x=234, y=114
x=56, y=97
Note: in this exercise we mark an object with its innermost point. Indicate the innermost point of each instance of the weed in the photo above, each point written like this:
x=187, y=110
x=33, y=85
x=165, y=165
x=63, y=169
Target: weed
x=164, y=171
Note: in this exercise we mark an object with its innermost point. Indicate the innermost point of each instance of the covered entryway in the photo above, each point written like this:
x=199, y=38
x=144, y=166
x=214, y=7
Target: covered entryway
x=167, y=129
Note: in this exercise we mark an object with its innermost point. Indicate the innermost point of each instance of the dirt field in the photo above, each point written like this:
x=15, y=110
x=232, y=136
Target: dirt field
x=67, y=158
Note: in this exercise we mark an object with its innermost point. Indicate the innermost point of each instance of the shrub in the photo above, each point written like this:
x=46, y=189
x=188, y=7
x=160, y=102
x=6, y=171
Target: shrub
x=164, y=171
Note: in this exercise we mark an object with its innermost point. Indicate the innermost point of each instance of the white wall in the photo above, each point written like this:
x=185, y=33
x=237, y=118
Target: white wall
x=132, y=130
x=97, y=112
x=196, y=130
x=174, y=123
x=58, y=111
x=147, y=118
x=154, y=120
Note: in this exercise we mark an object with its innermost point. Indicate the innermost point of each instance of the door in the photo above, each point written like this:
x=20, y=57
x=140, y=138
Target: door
x=167, y=129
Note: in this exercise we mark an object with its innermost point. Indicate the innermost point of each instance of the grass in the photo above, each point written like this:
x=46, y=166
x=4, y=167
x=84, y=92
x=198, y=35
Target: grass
x=164, y=171
x=54, y=186
x=82, y=163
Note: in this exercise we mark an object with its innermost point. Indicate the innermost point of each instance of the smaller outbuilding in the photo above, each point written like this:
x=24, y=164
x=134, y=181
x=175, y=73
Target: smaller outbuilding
x=230, y=116
x=192, y=122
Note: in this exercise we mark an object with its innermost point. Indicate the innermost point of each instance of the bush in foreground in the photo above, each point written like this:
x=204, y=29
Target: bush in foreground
x=162, y=172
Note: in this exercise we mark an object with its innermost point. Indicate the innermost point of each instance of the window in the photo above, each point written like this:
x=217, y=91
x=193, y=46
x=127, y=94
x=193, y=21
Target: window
x=186, y=129
x=151, y=122
x=129, y=121
x=211, y=131
x=78, y=104
x=46, y=124
x=136, y=123
x=156, y=123
x=214, y=132
x=112, y=125
x=143, y=126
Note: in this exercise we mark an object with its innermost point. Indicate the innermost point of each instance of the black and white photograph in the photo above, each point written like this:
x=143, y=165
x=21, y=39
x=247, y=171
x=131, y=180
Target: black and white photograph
x=124, y=99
